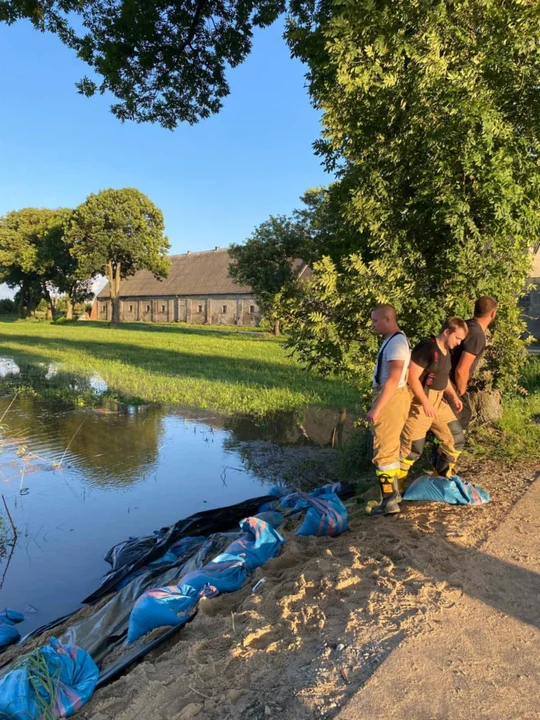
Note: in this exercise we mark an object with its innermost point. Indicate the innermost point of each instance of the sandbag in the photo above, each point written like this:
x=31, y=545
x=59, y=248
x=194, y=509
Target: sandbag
x=326, y=514
x=174, y=605
x=227, y=572
x=135, y=553
x=259, y=543
x=167, y=606
x=453, y=491
x=55, y=679
x=8, y=632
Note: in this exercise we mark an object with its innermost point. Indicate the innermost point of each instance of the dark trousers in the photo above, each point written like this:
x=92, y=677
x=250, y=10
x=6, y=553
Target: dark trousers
x=465, y=415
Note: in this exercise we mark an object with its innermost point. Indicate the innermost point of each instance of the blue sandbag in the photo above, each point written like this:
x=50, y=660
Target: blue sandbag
x=174, y=605
x=259, y=543
x=8, y=633
x=225, y=573
x=74, y=675
x=326, y=514
x=453, y=491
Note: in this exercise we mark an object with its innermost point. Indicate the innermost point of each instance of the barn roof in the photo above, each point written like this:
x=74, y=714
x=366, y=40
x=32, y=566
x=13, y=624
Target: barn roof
x=194, y=273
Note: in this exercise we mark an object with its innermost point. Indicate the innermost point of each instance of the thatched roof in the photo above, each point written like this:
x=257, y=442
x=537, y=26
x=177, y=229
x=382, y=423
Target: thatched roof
x=194, y=273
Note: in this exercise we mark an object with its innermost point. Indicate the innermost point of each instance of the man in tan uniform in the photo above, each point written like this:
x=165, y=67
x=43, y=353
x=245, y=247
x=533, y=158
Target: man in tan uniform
x=390, y=408
x=429, y=381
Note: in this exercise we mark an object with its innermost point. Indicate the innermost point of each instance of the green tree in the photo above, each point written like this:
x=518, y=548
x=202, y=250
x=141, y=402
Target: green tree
x=165, y=61
x=59, y=265
x=431, y=116
x=269, y=262
x=116, y=233
x=21, y=234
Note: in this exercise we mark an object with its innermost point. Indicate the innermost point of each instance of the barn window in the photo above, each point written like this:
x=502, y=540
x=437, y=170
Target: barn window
x=163, y=308
x=131, y=308
x=252, y=309
x=103, y=308
x=200, y=308
x=148, y=308
x=224, y=309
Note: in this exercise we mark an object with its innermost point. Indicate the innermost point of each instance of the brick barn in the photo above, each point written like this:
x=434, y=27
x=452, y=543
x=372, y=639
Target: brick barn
x=198, y=290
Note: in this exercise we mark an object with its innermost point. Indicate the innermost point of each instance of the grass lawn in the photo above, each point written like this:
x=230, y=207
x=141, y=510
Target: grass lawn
x=218, y=369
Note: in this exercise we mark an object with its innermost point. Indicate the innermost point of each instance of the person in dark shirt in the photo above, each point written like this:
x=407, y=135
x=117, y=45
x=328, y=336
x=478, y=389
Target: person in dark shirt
x=429, y=382
x=465, y=357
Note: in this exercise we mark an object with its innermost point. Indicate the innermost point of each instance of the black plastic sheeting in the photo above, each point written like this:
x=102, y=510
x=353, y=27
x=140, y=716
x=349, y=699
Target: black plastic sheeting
x=104, y=631
x=129, y=556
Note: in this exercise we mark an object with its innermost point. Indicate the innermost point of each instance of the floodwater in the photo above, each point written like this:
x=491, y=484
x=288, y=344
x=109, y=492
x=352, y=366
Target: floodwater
x=80, y=474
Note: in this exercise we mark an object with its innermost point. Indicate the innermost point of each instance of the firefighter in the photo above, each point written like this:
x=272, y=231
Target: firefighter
x=390, y=408
x=429, y=382
x=466, y=356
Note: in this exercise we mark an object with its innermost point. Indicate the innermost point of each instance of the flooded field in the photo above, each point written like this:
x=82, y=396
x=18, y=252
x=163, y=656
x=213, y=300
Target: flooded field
x=80, y=473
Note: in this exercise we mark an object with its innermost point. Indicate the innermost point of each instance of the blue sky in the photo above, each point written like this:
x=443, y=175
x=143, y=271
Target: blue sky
x=214, y=181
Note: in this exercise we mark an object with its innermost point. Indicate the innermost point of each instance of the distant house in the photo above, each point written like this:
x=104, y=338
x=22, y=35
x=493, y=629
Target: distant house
x=197, y=290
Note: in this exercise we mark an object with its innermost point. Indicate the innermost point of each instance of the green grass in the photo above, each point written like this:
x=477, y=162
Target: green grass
x=227, y=371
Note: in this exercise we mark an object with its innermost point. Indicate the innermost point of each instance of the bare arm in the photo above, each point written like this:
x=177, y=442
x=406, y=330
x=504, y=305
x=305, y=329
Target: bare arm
x=415, y=371
x=463, y=371
x=389, y=388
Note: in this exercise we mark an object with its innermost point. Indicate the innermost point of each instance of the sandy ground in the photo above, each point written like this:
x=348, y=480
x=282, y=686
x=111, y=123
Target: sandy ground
x=330, y=613
x=481, y=658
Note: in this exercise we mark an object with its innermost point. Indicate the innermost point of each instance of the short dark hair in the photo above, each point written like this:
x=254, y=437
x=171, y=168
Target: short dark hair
x=455, y=323
x=484, y=306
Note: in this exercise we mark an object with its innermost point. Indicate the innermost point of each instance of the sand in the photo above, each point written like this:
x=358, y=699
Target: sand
x=329, y=614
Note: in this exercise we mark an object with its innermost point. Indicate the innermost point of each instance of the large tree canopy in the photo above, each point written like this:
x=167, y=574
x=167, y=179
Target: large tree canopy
x=431, y=115
x=59, y=266
x=116, y=233
x=22, y=234
x=165, y=61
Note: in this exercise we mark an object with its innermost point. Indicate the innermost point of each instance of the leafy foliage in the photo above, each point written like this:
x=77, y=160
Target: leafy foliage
x=268, y=262
x=21, y=239
x=117, y=233
x=165, y=61
x=431, y=118
x=35, y=256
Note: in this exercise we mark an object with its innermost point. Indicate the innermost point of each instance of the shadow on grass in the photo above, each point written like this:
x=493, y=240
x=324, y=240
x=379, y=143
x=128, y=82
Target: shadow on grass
x=168, y=328
x=176, y=363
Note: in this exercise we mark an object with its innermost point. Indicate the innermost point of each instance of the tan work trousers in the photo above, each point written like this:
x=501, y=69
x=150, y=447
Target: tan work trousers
x=387, y=431
x=446, y=428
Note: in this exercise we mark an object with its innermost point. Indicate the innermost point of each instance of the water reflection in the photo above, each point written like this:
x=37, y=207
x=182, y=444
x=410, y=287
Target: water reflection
x=81, y=472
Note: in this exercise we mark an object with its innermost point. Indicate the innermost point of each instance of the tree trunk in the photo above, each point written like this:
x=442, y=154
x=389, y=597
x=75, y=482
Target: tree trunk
x=114, y=284
x=115, y=318
x=31, y=305
x=69, y=308
x=51, y=315
x=276, y=328
x=487, y=406
x=20, y=308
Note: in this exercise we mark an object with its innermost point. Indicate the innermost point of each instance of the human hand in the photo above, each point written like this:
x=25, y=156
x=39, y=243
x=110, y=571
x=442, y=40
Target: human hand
x=372, y=415
x=429, y=410
x=458, y=404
